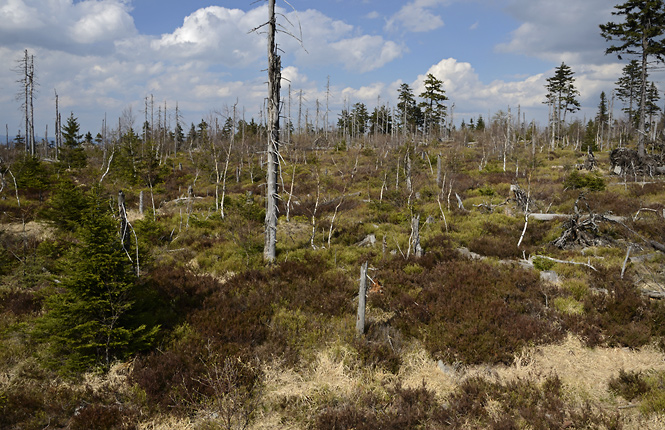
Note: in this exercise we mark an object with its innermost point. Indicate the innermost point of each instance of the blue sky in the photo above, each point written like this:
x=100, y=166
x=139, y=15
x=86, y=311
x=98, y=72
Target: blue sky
x=105, y=56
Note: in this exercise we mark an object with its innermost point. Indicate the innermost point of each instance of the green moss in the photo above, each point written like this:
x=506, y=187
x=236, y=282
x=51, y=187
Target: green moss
x=568, y=305
x=543, y=264
x=413, y=269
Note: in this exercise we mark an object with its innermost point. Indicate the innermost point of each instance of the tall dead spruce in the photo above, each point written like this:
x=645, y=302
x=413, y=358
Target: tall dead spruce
x=274, y=87
x=274, y=82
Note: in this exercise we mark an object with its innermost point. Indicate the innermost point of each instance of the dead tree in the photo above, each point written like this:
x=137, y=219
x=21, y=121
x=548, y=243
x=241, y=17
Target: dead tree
x=362, y=297
x=581, y=229
x=124, y=227
x=414, y=239
x=26, y=69
x=274, y=78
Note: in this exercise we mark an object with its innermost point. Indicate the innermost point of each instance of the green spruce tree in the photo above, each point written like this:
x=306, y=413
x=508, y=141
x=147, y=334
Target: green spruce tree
x=640, y=33
x=89, y=319
x=72, y=155
x=434, y=111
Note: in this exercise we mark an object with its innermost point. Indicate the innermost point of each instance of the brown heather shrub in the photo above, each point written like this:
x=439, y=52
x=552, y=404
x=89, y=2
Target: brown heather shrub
x=407, y=408
x=19, y=302
x=476, y=404
x=498, y=177
x=167, y=377
x=177, y=293
x=495, y=246
x=233, y=319
x=650, y=227
x=103, y=417
x=380, y=347
x=652, y=188
x=518, y=404
x=48, y=403
x=609, y=201
x=629, y=385
x=468, y=311
x=620, y=317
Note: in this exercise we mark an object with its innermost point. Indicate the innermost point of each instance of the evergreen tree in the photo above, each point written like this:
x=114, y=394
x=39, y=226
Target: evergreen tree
x=652, y=108
x=590, y=134
x=67, y=207
x=434, y=111
x=561, y=94
x=344, y=121
x=89, y=321
x=628, y=89
x=480, y=125
x=31, y=173
x=410, y=115
x=72, y=154
x=602, y=117
x=360, y=118
x=126, y=160
x=640, y=33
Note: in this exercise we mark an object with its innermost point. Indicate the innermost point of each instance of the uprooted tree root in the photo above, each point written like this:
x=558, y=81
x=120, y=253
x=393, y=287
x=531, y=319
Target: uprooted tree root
x=582, y=229
x=627, y=161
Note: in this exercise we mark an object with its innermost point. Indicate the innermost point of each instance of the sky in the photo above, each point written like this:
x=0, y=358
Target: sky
x=105, y=57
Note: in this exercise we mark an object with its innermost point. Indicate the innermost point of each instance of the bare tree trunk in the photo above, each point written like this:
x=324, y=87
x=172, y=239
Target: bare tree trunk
x=407, y=171
x=362, y=296
x=124, y=228
x=414, y=246
x=643, y=89
x=31, y=83
x=274, y=78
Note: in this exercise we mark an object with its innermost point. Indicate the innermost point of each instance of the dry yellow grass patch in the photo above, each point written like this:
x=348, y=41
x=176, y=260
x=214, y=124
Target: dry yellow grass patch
x=584, y=371
x=418, y=367
x=330, y=372
x=167, y=423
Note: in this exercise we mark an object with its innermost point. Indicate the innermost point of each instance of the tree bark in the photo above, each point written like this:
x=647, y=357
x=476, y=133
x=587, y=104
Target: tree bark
x=362, y=296
x=274, y=78
x=643, y=89
x=416, y=249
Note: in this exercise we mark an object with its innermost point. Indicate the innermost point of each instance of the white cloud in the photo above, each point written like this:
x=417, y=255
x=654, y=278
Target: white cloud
x=417, y=16
x=368, y=94
x=86, y=26
x=101, y=21
x=216, y=34
x=366, y=53
x=220, y=34
x=464, y=88
x=563, y=30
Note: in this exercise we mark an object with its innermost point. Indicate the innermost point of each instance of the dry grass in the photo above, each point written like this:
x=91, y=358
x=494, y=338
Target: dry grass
x=167, y=422
x=330, y=371
x=418, y=367
x=585, y=372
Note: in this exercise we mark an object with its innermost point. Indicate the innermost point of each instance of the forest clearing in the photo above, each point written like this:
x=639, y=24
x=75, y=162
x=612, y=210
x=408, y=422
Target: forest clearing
x=392, y=269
